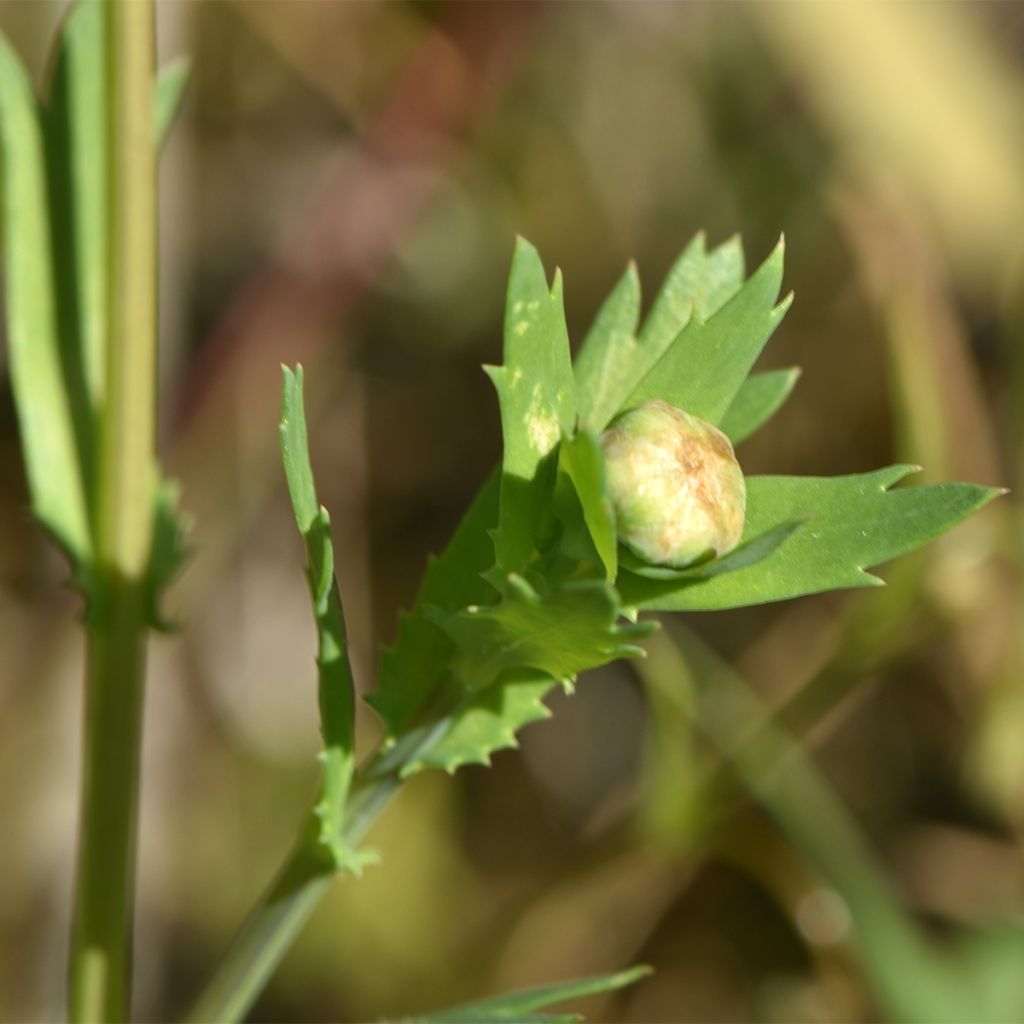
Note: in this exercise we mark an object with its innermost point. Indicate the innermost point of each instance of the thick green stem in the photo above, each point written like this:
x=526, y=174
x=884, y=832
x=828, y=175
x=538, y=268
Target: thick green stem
x=293, y=896
x=100, y=968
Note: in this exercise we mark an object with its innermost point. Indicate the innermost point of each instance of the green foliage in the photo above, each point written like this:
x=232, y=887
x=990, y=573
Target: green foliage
x=569, y=629
x=850, y=524
x=336, y=689
x=523, y=1006
x=495, y=628
x=55, y=243
x=537, y=397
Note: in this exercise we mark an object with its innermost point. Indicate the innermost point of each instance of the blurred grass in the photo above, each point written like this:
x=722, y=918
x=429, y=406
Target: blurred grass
x=343, y=188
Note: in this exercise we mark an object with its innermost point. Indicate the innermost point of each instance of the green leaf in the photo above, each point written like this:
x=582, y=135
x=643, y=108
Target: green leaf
x=336, y=688
x=603, y=365
x=582, y=461
x=749, y=553
x=698, y=281
x=74, y=120
x=55, y=452
x=171, y=81
x=852, y=523
x=760, y=396
x=415, y=668
x=483, y=723
x=561, y=633
x=614, y=358
x=169, y=550
x=537, y=397
x=524, y=1004
x=704, y=367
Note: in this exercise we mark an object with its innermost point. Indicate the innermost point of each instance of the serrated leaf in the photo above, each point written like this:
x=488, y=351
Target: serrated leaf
x=582, y=461
x=537, y=398
x=571, y=628
x=336, y=688
x=171, y=82
x=524, y=1004
x=704, y=367
x=852, y=523
x=414, y=669
x=602, y=366
x=760, y=396
x=483, y=723
x=55, y=452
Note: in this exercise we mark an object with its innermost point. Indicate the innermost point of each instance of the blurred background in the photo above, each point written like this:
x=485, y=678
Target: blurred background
x=343, y=188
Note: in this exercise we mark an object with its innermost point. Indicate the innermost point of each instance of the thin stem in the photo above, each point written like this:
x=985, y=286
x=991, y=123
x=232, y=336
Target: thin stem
x=101, y=939
x=269, y=932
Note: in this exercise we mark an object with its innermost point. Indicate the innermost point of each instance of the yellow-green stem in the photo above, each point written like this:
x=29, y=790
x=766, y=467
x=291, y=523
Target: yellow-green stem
x=101, y=940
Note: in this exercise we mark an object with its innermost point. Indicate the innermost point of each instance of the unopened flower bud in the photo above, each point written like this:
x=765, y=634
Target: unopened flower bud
x=676, y=487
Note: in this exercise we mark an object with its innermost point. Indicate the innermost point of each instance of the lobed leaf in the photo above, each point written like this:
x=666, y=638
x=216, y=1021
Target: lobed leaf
x=572, y=627
x=700, y=282
x=851, y=524
x=524, y=1004
x=336, y=688
x=483, y=723
x=705, y=366
x=414, y=670
x=537, y=398
x=614, y=359
x=760, y=396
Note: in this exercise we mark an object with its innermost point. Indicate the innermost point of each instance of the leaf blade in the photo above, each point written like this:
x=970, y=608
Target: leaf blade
x=704, y=367
x=852, y=523
x=521, y=1004
x=52, y=453
x=336, y=686
x=536, y=393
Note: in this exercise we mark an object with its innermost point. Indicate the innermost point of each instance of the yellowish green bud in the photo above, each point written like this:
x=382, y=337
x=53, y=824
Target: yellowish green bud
x=677, y=489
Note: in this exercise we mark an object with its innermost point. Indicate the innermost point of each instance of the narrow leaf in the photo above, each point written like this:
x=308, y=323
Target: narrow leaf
x=698, y=281
x=602, y=367
x=336, y=687
x=54, y=460
x=537, y=398
x=704, y=367
x=749, y=553
x=582, y=460
x=760, y=396
x=852, y=523
x=522, y=1005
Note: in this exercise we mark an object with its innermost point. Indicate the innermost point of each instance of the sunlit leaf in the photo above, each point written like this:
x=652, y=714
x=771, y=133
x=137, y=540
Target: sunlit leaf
x=851, y=524
x=705, y=366
x=336, y=689
x=537, y=398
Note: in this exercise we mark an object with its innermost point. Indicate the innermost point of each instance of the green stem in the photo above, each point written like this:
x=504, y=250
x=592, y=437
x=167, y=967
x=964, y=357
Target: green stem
x=272, y=927
x=101, y=938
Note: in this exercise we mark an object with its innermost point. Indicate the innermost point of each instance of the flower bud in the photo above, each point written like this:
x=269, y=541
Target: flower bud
x=676, y=487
